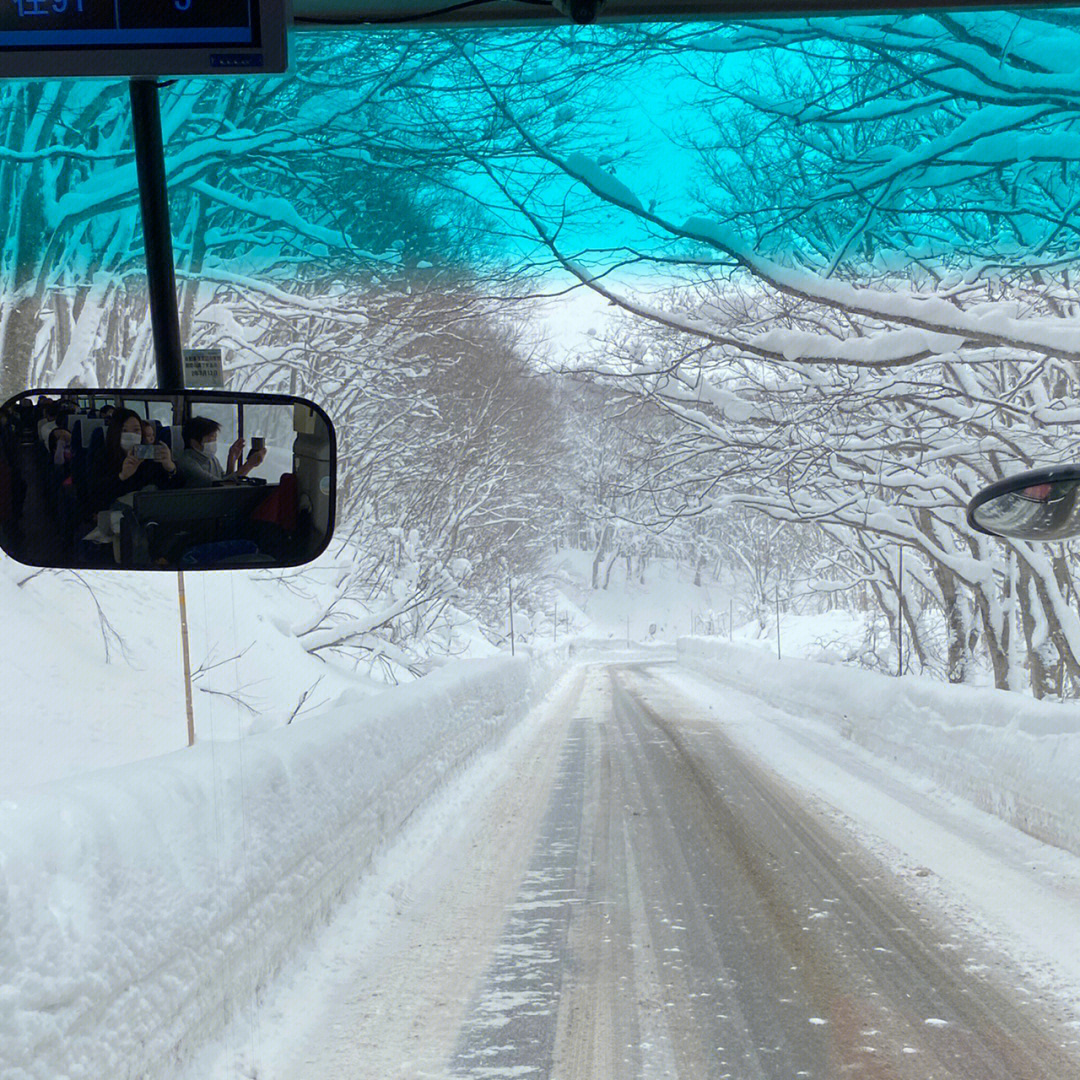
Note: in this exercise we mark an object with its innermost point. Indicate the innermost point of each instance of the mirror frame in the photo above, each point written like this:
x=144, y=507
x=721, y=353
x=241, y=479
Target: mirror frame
x=1010, y=485
x=118, y=394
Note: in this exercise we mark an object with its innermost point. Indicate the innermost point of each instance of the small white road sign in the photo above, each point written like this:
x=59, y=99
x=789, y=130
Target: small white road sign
x=203, y=369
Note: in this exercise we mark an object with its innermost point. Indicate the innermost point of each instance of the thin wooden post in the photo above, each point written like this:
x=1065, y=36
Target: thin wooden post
x=187, y=657
x=510, y=586
x=900, y=614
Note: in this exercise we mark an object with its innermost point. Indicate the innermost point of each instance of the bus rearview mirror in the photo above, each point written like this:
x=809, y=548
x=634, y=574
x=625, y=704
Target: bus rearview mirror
x=146, y=480
x=1043, y=504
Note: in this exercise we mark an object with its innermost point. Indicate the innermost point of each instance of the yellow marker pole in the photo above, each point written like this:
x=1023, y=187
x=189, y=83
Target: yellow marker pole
x=187, y=658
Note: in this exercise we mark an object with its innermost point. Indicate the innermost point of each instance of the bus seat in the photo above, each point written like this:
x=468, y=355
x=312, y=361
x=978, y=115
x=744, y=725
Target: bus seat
x=88, y=428
x=171, y=436
x=280, y=507
x=311, y=457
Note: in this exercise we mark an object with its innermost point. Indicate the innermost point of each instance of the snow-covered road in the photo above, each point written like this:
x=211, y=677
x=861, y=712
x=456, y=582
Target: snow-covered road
x=658, y=876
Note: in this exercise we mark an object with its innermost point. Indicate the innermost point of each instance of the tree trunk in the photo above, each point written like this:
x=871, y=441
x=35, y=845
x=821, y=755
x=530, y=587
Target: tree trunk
x=1040, y=664
x=607, y=569
x=957, y=627
x=997, y=649
x=890, y=615
x=598, y=558
x=17, y=347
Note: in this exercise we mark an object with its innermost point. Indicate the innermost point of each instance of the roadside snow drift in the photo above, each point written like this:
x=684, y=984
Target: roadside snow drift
x=141, y=905
x=1005, y=753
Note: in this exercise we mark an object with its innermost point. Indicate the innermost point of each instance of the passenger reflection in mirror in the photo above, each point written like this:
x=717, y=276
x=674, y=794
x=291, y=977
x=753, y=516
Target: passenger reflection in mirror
x=123, y=471
x=60, y=447
x=199, y=463
x=100, y=495
x=49, y=415
x=1038, y=492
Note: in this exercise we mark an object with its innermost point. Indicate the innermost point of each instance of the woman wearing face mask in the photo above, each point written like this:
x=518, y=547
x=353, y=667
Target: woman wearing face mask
x=199, y=463
x=123, y=470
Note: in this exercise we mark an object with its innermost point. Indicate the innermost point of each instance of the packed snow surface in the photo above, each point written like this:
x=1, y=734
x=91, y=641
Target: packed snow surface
x=992, y=882
x=140, y=904
x=1008, y=898
x=1003, y=752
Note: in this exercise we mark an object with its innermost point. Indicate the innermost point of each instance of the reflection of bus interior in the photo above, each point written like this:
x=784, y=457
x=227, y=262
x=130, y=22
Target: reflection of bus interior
x=1043, y=511
x=53, y=452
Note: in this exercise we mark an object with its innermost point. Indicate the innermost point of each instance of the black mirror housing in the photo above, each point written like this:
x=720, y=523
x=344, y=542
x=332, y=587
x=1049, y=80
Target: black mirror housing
x=1043, y=504
x=147, y=480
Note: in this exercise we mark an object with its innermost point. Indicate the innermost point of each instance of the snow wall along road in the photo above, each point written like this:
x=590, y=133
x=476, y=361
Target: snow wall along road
x=1008, y=754
x=140, y=905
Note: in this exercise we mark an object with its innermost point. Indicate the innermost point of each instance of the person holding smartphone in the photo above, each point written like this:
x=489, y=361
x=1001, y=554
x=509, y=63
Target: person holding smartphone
x=129, y=463
x=199, y=462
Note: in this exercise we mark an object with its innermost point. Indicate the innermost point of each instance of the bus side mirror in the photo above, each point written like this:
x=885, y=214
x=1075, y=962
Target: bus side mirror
x=117, y=479
x=1037, y=505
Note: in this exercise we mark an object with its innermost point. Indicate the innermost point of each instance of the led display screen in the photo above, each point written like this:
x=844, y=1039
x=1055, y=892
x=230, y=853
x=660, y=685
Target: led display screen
x=58, y=38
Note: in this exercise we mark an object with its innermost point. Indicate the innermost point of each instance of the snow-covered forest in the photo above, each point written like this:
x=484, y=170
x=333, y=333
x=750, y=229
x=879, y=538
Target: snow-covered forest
x=832, y=264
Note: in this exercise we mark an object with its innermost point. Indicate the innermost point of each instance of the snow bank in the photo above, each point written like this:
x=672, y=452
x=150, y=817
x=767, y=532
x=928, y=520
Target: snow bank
x=141, y=905
x=825, y=636
x=1005, y=753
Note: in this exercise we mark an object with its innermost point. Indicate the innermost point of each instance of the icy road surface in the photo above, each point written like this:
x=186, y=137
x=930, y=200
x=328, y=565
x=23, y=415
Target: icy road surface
x=628, y=894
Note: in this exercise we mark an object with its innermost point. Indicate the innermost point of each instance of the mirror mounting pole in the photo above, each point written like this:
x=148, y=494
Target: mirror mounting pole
x=157, y=234
x=161, y=284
